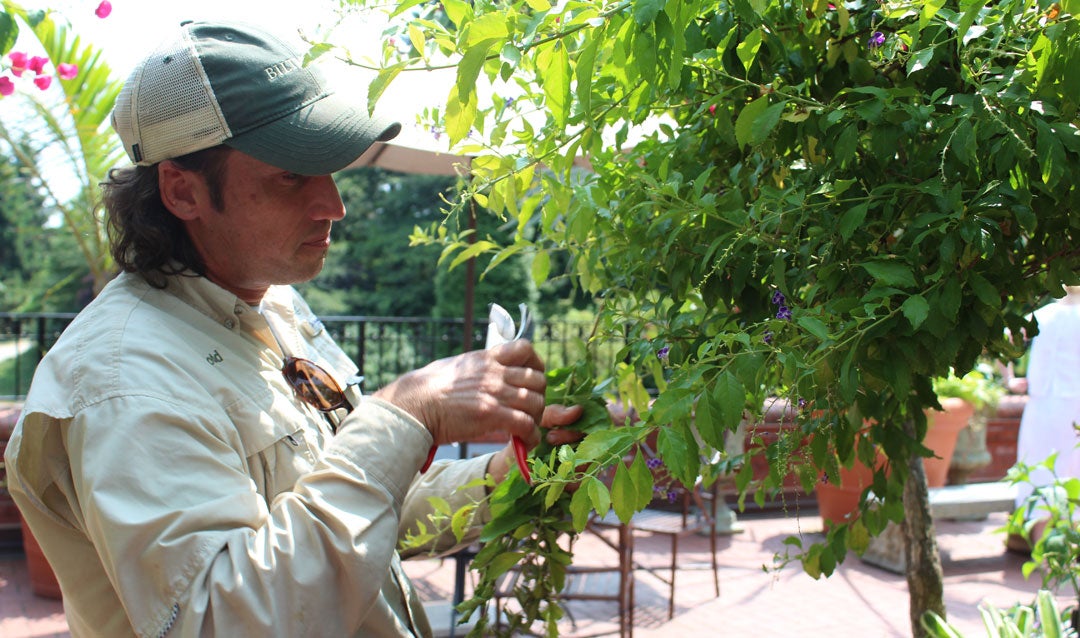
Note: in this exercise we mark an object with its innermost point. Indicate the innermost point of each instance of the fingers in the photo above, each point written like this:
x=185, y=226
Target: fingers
x=560, y=415
x=518, y=353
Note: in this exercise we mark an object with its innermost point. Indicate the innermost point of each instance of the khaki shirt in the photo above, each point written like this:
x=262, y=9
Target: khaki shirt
x=178, y=487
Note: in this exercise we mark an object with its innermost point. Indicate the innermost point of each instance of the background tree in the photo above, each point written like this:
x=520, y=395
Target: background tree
x=830, y=202
x=33, y=251
x=61, y=135
x=370, y=269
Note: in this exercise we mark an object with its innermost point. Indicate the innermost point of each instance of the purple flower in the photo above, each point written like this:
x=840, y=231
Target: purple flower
x=778, y=298
x=672, y=496
x=802, y=403
x=783, y=313
x=654, y=463
x=767, y=337
x=662, y=353
x=876, y=40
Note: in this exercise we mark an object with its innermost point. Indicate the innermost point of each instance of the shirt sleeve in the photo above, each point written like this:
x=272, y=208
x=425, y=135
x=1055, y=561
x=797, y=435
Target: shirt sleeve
x=456, y=483
x=168, y=501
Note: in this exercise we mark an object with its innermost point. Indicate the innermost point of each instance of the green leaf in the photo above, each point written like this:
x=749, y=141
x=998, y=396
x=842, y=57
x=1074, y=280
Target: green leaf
x=930, y=9
x=580, y=506
x=504, y=525
x=486, y=31
x=645, y=11
x=766, y=122
x=541, y=266
x=623, y=493
x=599, y=496
x=744, y=124
x=9, y=32
x=502, y=563
x=1051, y=154
x=984, y=290
x=554, y=62
x=814, y=326
x=643, y=480
x=966, y=20
x=919, y=60
x=460, y=115
x=458, y=11
x=707, y=420
x=673, y=405
x=461, y=521
x=747, y=50
x=680, y=457
x=852, y=219
x=890, y=273
x=602, y=445
x=915, y=308
x=729, y=397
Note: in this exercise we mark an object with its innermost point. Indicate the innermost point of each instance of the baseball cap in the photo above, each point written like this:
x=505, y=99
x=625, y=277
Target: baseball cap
x=237, y=84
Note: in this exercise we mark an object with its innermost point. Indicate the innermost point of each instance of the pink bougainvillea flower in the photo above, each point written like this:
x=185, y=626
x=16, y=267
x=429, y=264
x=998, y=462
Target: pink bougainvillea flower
x=37, y=64
x=104, y=9
x=43, y=81
x=7, y=87
x=67, y=71
x=18, y=62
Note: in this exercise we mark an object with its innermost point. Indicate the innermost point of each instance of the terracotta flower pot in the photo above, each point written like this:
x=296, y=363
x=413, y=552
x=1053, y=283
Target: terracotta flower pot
x=837, y=503
x=840, y=503
x=943, y=429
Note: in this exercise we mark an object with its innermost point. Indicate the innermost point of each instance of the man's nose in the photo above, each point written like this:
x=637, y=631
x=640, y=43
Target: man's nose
x=325, y=199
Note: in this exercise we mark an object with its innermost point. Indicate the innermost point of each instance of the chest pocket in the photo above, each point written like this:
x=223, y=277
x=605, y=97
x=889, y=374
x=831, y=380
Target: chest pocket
x=280, y=442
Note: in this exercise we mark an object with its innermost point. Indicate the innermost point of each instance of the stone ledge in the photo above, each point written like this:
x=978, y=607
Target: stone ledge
x=959, y=502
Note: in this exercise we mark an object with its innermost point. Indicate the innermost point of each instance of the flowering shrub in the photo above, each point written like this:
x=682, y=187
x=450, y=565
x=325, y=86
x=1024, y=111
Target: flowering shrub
x=904, y=173
x=18, y=62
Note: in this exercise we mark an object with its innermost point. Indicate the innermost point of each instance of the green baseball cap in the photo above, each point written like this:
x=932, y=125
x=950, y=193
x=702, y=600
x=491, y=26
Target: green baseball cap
x=237, y=84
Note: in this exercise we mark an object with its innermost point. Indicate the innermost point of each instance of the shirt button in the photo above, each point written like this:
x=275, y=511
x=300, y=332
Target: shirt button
x=238, y=310
x=230, y=324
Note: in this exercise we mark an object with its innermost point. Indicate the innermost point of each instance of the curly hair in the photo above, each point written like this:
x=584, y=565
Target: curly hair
x=144, y=236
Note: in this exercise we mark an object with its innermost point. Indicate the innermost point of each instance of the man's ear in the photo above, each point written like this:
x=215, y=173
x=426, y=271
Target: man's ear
x=183, y=192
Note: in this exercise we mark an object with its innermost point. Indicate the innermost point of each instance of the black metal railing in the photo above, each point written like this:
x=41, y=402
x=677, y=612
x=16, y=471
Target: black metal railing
x=383, y=347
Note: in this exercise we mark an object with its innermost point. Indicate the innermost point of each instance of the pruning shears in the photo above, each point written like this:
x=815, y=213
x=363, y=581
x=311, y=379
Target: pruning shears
x=500, y=331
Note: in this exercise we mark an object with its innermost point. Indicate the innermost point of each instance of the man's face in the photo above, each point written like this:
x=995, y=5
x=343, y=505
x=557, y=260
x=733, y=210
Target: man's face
x=274, y=227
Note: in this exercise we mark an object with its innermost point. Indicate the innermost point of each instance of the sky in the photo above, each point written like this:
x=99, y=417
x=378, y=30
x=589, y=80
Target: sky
x=135, y=27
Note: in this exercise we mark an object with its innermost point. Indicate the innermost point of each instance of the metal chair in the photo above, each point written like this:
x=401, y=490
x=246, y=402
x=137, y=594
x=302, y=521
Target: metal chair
x=672, y=517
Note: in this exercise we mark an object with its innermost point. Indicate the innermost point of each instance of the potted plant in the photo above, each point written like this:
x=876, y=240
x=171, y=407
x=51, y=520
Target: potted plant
x=966, y=401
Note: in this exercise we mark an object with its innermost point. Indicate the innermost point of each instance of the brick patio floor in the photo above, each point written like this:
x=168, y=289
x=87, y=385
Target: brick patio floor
x=858, y=600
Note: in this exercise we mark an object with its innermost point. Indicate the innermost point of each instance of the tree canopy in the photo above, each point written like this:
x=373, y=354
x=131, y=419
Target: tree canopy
x=829, y=202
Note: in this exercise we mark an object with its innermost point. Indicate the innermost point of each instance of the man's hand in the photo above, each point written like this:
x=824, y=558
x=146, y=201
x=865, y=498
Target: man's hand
x=465, y=397
x=554, y=419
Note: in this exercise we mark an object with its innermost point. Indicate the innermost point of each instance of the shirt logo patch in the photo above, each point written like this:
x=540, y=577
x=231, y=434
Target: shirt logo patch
x=214, y=358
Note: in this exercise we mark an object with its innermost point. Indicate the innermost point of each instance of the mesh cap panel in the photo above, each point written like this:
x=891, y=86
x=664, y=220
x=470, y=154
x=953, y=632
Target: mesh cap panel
x=234, y=83
x=166, y=109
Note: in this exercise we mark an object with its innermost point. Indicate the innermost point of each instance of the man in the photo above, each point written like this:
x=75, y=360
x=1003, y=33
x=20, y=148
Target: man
x=192, y=457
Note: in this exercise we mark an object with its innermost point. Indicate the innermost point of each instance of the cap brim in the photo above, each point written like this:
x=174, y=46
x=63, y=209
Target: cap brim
x=321, y=138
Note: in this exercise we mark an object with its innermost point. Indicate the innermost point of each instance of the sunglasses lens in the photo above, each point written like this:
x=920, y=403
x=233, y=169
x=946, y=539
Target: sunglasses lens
x=313, y=384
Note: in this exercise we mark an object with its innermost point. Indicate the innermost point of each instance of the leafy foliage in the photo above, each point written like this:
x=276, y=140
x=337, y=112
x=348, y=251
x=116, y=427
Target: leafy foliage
x=74, y=126
x=833, y=202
